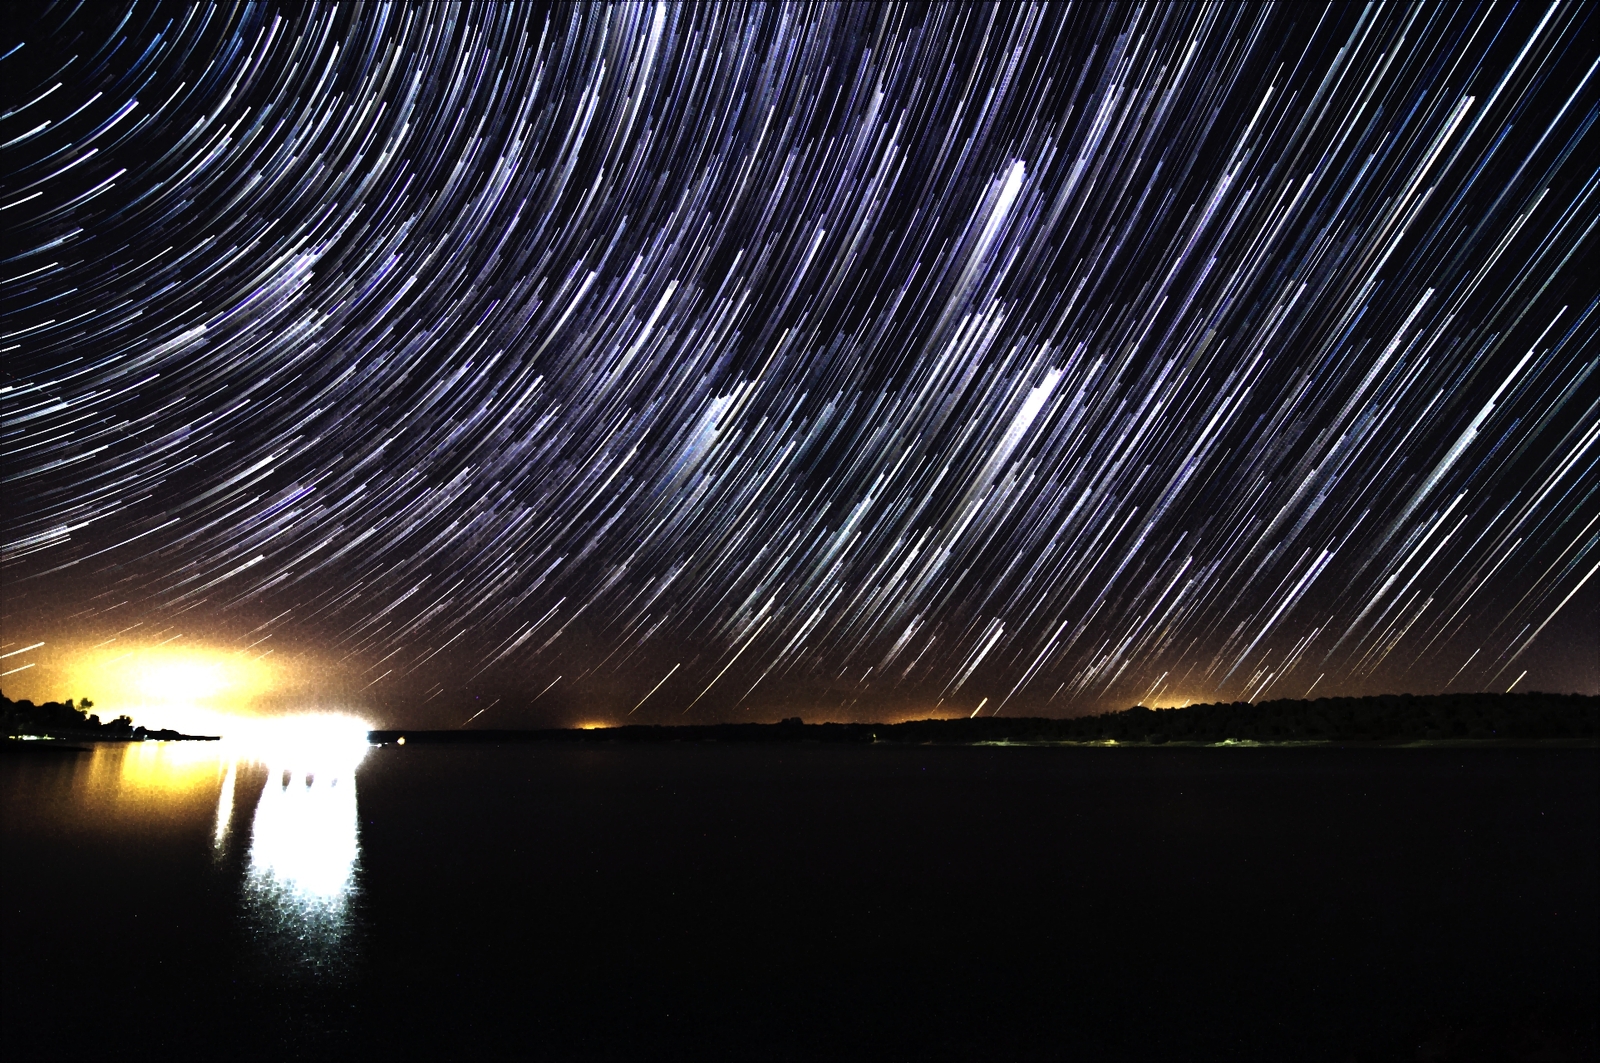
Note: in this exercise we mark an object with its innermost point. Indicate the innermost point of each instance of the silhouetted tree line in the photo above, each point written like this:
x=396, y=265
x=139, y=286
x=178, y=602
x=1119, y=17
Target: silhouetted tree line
x=64, y=719
x=1389, y=717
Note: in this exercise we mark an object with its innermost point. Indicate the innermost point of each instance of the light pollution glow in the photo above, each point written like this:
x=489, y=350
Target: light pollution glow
x=266, y=703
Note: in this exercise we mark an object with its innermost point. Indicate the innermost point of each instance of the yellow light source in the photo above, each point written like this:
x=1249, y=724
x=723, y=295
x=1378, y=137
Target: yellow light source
x=195, y=689
x=182, y=680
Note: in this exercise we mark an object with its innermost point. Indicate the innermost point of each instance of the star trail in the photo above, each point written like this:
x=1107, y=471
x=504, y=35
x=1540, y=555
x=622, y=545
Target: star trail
x=721, y=361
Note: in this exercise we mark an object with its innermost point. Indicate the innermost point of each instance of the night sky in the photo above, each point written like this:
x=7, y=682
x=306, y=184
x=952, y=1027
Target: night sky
x=848, y=362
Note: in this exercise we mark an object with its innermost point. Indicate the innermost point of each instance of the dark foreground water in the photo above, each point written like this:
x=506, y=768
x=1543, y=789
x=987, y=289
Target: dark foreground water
x=804, y=901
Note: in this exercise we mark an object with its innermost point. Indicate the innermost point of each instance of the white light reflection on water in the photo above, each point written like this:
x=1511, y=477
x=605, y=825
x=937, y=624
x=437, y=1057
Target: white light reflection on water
x=225, y=807
x=305, y=845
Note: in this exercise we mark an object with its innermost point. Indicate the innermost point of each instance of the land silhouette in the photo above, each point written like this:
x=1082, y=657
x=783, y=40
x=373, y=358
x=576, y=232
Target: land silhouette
x=1388, y=718
x=69, y=720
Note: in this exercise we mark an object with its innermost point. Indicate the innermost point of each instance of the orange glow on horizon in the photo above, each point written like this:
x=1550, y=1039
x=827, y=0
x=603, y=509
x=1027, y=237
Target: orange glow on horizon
x=196, y=689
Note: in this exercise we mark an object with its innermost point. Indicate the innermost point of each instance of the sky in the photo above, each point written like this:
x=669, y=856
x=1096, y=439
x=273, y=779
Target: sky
x=508, y=365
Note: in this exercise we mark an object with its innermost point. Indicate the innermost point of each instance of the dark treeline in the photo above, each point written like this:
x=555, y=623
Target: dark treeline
x=63, y=719
x=1387, y=718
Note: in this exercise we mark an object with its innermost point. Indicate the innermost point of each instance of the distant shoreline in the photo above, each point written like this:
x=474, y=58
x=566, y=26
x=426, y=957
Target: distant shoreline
x=26, y=722
x=1403, y=720
x=608, y=736
x=59, y=740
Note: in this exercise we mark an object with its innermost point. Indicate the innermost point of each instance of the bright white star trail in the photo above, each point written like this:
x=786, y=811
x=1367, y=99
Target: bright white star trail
x=726, y=360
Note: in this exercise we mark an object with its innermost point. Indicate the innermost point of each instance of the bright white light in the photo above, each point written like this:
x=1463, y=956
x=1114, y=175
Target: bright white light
x=305, y=841
x=225, y=806
x=313, y=742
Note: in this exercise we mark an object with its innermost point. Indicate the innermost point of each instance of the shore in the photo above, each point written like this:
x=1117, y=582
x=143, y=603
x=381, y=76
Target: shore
x=54, y=739
x=1389, y=720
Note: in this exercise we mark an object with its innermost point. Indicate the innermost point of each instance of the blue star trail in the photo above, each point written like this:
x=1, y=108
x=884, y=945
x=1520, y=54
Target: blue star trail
x=722, y=359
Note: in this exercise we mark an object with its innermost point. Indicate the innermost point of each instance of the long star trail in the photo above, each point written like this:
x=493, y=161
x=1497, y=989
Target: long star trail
x=1057, y=355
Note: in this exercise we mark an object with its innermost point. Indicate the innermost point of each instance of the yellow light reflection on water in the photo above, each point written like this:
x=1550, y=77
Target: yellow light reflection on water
x=143, y=786
x=163, y=771
x=163, y=786
x=301, y=849
x=304, y=837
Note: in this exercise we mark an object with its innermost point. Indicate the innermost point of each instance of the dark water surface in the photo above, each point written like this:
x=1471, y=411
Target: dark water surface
x=804, y=901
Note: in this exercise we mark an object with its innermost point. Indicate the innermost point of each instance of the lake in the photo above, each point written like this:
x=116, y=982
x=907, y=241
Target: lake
x=185, y=900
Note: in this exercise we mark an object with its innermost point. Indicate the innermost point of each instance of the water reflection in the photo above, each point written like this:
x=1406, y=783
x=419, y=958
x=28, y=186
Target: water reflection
x=189, y=886
x=305, y=844
x=272, y=808
x=305, y=840
x=224, y=827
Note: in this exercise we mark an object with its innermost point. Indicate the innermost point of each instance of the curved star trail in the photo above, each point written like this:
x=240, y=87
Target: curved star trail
x=729, y=358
